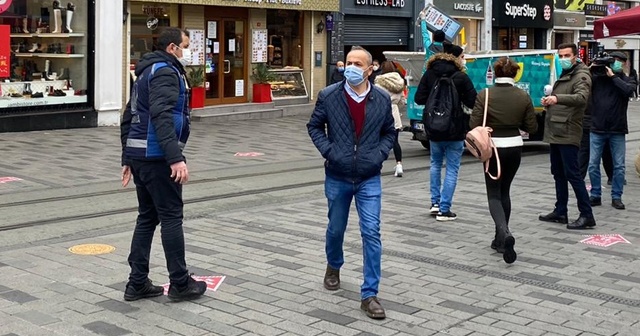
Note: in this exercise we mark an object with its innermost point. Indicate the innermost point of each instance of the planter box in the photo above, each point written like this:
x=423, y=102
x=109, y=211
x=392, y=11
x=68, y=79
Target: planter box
x=197, y=97
x=261, y=93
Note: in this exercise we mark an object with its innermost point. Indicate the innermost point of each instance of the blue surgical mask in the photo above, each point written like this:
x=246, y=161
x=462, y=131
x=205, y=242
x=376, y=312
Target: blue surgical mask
x=340, y=69
x=354, y=75
x=565, y=63
x=617, y=66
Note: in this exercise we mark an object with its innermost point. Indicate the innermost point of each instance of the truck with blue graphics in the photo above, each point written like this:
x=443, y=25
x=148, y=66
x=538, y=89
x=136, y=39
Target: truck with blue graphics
x=538, y=68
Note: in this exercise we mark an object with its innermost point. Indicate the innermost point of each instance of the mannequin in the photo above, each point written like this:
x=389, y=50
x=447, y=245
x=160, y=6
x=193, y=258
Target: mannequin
x=70, y=9
x=57, y=17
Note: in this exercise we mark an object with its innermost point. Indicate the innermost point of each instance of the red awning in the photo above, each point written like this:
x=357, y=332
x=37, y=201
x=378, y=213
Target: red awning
x=623, y=23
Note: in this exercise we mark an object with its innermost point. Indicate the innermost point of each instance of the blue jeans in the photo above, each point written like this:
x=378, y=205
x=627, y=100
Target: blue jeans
x=564, y=167
x=368, y=195
x=452, y=151
x=617, y=143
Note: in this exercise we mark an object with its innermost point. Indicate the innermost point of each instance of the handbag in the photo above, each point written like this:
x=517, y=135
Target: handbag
x=478, y=141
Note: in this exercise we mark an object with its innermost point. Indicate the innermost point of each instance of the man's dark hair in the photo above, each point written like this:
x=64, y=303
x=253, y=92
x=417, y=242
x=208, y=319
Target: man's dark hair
x=438, y=36
x=574, y=48
x=170, y=35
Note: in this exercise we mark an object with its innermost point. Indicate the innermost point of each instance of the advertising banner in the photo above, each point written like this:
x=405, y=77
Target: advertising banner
x=5, y=51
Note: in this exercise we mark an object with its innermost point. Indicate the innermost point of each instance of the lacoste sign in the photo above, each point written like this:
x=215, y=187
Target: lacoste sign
x=467, y=7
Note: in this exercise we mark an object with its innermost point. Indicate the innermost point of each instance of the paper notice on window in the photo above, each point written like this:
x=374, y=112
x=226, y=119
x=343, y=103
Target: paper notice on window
x=232, y=45
x=216, y=47
x=239, y=87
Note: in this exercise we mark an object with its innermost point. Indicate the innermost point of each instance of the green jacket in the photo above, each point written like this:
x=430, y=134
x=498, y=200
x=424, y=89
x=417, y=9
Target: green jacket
x=563, y=122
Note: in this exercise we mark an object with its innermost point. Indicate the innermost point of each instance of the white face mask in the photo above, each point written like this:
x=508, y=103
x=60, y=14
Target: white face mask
x=186, y=57
x=375, y=68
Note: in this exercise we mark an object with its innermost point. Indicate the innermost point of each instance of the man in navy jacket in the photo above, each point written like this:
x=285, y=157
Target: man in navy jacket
x=352, y=127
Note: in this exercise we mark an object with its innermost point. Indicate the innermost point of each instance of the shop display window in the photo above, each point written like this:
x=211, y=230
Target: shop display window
x=47, y=61
x=289, y=83
x=285, y=38
x=147, y=21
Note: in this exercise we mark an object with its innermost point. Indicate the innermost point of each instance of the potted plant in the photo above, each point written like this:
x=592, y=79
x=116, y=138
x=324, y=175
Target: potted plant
x=196, y=81
x=261, y=88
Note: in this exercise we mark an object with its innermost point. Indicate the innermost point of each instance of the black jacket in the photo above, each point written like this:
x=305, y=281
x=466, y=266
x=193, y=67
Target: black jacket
x=439, y=65
x=164, y=97
x=331, y=129
x=608, y=103
x=337, y=76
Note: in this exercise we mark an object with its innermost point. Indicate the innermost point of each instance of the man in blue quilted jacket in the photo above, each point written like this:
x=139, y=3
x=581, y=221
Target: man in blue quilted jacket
x=352, y=127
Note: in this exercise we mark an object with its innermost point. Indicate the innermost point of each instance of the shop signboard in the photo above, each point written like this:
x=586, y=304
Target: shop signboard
x=4, y=5
x=573, y=5
x=5, y=51
x=462, y=8
x=595, y=10
x=523, y=13
x=305, y=5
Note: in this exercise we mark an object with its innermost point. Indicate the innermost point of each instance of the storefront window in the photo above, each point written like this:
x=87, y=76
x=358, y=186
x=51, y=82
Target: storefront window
x=147, y=20
x=46, y=65
x=285, y=38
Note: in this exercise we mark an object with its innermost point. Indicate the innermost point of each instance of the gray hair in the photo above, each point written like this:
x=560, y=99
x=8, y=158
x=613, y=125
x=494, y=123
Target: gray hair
x=369, y=57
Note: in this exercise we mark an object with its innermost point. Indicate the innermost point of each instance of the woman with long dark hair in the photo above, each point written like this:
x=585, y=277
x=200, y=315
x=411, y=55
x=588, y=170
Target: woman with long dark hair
x=509, y=109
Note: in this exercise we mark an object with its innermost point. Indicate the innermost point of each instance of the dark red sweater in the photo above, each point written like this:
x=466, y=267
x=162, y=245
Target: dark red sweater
x=357, y=112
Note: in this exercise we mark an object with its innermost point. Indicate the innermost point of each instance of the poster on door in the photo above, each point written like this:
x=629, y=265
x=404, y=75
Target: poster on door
x=260, y=47
x=5, y=51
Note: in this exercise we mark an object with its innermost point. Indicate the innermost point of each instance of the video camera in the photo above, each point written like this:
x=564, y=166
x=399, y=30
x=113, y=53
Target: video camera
x=599, y=63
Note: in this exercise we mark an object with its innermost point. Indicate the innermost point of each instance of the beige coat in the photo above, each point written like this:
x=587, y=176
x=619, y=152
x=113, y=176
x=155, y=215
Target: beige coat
x=393, y=84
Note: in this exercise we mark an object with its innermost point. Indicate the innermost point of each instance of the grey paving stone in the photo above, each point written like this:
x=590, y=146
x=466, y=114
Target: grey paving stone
x=4, y=289
x=559, y=240
x=221, y=329
x=256, y=278
x=542, y=262
x=462, y=307
x=107, y=329
x=37, y=318
x=387, y=304
x=270, y=248
x=62, y=288
x=285, y=264
x=17, y=296
x=620, y=277
x=538, y=277
x=330, y=317
x=419, y=244
x=200, y=250
x=3, y=265
x=119, y=286
x=250, y=294
x=547, y=297
x=612, y=253
x=117, y=306
x=11, y=334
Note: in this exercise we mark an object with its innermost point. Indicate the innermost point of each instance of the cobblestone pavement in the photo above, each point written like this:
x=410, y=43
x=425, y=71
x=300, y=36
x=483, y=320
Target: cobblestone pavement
x=437, y=279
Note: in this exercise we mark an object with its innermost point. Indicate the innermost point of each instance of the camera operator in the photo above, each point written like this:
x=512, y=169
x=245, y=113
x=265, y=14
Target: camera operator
x=610, y=93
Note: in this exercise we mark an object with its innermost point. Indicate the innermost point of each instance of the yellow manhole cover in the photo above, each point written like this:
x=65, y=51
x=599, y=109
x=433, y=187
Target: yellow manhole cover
x=92, y=249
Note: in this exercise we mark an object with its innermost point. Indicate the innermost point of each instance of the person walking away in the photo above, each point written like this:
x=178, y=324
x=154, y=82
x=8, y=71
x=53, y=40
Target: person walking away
x=633, y=74
x=338, y=73
x=391, y=82
x=352, y=128
x=609, y=102
x=450, y=144
x=563, y=130
x=154, y=130
x=509, y=109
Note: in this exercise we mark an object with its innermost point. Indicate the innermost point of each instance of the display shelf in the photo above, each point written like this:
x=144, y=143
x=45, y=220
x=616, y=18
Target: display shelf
x=290, y=83
x=46, y=100
x=48, y=55
x=62, y=35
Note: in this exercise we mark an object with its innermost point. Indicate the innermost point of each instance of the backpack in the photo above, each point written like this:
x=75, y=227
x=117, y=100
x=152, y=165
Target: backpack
x=442, y=107
x=480, y=144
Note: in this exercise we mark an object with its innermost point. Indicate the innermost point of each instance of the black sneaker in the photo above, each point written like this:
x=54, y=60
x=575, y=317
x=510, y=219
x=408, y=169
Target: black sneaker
x=435, y=209
x=147, y=290
x=192, y=290
x=595, y=201
x=553, y=217
x=616, y=203
x=446, y=216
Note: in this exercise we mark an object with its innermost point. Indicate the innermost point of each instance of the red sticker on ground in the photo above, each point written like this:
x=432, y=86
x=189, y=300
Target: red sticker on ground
x=6, y=179
x=604, y=240
x=248, y=154
x=213, y=282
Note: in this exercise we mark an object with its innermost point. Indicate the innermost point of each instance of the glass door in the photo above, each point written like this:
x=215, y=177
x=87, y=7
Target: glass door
x=225, y=63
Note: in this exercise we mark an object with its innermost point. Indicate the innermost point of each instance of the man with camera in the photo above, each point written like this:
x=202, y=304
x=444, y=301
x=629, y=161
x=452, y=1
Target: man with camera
x=610, y=93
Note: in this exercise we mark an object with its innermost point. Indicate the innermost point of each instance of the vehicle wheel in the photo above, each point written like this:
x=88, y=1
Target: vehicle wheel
x=426, y=145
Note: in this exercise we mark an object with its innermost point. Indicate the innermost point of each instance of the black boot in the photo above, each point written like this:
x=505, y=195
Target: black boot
x=505, y=244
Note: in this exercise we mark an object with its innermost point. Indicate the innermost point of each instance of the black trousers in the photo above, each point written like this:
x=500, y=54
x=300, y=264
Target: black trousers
x=159, y=202
x=564, y=167
x=498, y=191
x=583, y=156
x=397, y=150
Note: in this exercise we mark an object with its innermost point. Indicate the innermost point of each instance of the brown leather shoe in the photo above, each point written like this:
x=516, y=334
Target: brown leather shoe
x=373, y=308
x=332, y=279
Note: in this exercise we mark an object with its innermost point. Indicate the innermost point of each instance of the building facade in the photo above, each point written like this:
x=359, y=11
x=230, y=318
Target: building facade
x=470, y=13
x=522, y=24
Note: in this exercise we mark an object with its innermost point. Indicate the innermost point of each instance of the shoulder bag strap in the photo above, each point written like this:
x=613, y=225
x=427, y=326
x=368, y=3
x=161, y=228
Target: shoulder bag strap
x=495, y=149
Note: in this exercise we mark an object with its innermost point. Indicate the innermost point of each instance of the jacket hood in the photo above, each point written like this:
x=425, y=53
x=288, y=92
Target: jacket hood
x=157, y=56
x=444, y=64
x=391, y=81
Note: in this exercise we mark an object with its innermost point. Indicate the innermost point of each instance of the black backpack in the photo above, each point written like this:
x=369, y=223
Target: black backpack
x=441, y=110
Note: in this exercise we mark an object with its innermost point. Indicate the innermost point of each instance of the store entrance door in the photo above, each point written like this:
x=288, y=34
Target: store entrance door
x=225, y=61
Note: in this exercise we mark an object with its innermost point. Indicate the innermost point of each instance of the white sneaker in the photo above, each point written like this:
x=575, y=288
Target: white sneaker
x=446, y=216
x=398, y=172
x=435, y=209
x=638, y=99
